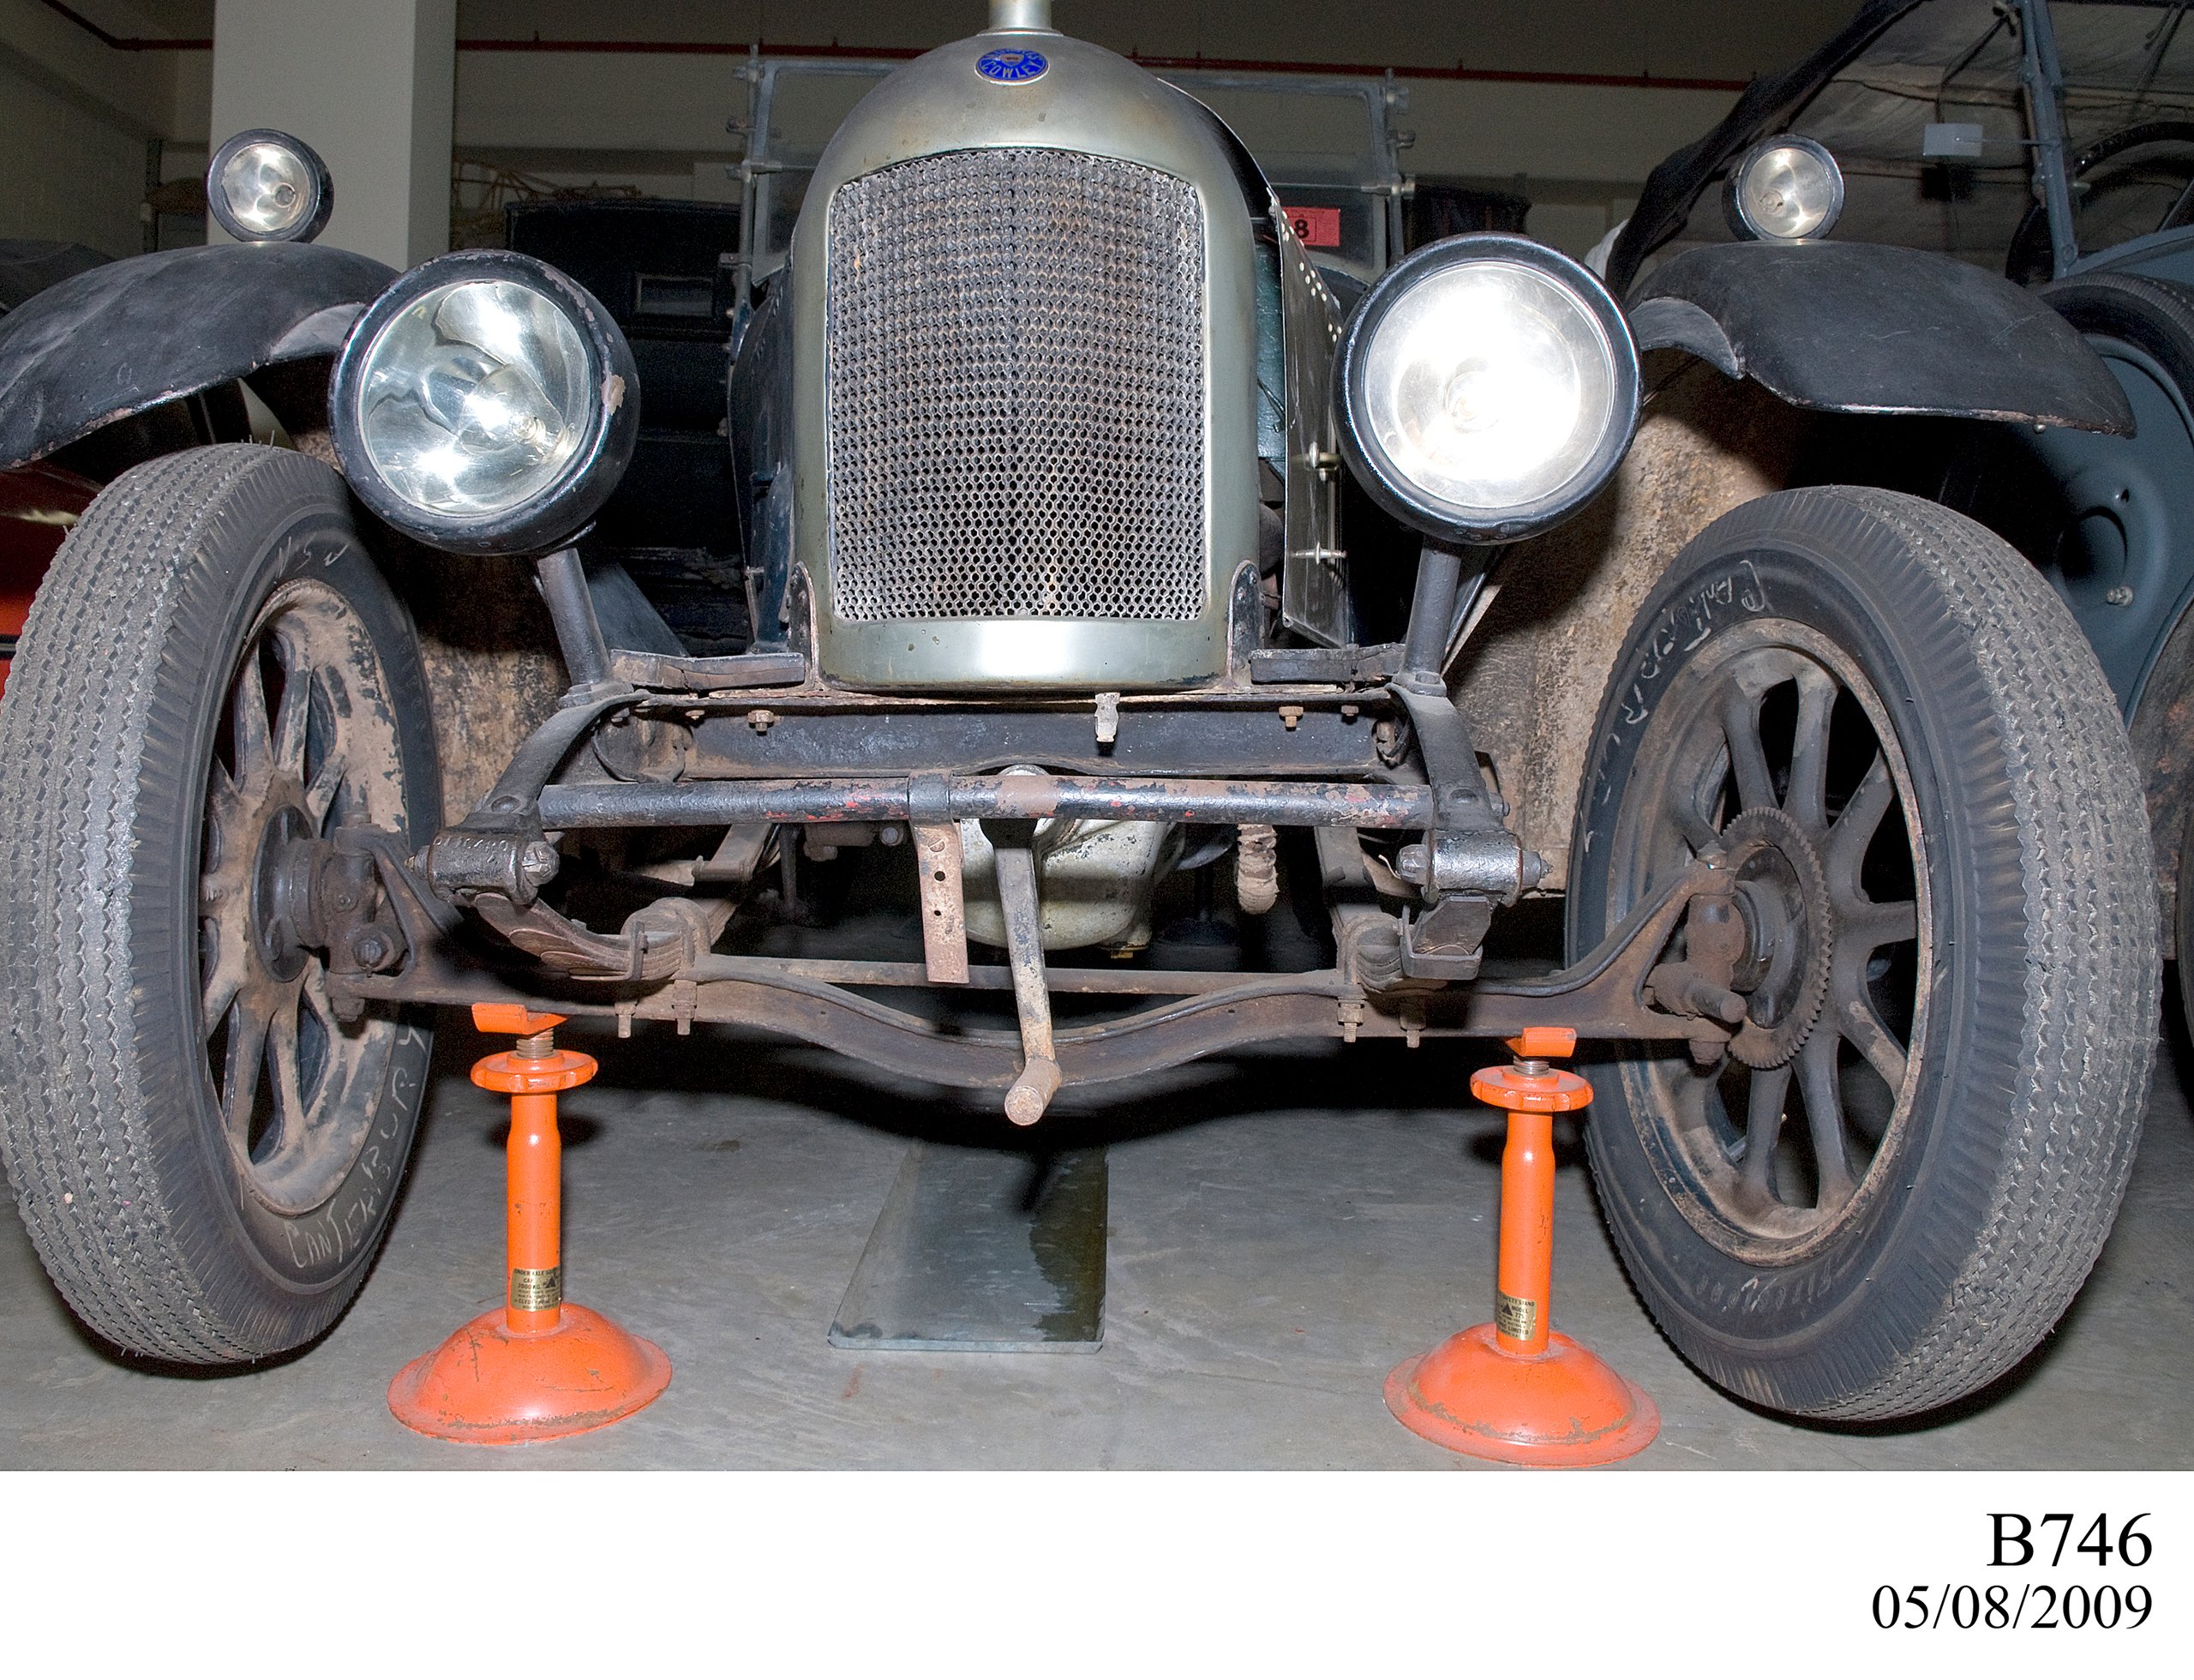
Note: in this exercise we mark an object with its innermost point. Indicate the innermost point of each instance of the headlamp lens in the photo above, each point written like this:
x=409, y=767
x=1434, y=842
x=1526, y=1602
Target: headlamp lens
x=1789, y=191
x=1489, y=385
x=268, y=189
x=475, y=397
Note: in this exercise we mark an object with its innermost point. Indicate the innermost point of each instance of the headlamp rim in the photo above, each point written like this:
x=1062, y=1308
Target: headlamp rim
x=551, y=516
x=313, y=222
x=1374, y=469
x=1733, y=204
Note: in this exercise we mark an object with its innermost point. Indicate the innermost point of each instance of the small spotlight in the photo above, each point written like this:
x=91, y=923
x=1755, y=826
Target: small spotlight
x=1783, y=191
x=265, y=187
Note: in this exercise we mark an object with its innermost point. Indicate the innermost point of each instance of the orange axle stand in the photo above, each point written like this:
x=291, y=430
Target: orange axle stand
x=537, y=1366
x=1517, y=1389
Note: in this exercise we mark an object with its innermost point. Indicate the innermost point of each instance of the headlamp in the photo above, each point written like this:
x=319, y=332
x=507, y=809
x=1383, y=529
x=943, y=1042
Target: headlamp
x=1783, y=190
x=264, y=186
x=1488, y=387
x=486, y=402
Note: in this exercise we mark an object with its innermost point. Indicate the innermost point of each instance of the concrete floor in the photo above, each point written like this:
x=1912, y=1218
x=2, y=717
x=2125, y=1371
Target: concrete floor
x=1278, y=1244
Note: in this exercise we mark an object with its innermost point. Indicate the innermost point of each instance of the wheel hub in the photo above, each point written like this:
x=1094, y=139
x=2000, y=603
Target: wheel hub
x=281, y=889
x=1782, y=893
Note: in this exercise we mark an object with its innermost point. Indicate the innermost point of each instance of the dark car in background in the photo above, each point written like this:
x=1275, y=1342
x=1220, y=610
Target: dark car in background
x=2052, y=141
x=667, y=271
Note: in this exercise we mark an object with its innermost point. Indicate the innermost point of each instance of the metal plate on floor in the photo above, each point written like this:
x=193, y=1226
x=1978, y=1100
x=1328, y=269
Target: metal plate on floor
x=983, y=1251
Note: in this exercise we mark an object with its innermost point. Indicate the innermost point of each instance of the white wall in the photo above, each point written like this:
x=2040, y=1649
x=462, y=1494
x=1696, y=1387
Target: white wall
x=71, y=172
x=76, y=118
x=368, y=85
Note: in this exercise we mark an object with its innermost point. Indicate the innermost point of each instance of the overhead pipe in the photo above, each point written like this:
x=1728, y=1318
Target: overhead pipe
x=1148, y=61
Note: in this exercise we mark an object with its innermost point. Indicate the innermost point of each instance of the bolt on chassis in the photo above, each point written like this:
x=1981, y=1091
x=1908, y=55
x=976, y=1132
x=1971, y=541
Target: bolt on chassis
x=1089, y=541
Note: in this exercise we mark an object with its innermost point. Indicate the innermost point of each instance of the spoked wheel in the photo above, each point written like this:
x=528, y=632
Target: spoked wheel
x=1887, y=734
x=303, y=747
x=1784, y=766
x=215, y=680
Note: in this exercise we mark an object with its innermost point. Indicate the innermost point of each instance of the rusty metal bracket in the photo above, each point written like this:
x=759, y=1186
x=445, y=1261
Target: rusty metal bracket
x=500, y=846
x=655, y=942
x=1447, y=941
x=1012, y=848
x=937, y=864
x=720, y=674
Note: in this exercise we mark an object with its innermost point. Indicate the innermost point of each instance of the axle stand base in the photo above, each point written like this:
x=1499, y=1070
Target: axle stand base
x=1565, y=1406
x=493, y=1386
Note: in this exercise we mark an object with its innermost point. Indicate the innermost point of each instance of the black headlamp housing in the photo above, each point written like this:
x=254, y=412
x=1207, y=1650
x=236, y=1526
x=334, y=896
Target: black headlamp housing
x=561, y=508
x=1411, y=503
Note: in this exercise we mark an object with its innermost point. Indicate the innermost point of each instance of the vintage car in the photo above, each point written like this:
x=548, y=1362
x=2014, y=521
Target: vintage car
x=2052, y=141
x=1096, y=559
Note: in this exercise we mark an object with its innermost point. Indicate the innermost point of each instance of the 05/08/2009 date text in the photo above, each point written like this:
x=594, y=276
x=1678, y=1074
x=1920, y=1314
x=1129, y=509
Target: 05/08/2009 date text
x=2035, y=1605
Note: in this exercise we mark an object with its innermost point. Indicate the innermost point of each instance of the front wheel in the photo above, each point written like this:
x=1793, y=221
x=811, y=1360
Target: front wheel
x=215, y=678
x=1891, y=731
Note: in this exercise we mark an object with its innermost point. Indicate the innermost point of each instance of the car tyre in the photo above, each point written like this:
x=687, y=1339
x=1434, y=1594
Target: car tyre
x=1896, y=1180
x=205, y=1154
x=2155, y=317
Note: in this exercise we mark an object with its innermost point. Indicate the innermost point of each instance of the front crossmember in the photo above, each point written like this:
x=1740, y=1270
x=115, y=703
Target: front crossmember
x=834, y=1003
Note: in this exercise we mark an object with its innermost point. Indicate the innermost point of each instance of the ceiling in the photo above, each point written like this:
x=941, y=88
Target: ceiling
x=1678, y=38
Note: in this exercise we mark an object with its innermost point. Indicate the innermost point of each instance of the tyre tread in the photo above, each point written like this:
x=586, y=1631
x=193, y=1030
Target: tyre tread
x=2092, y=977
x=2049, y=1056
x=90, y=730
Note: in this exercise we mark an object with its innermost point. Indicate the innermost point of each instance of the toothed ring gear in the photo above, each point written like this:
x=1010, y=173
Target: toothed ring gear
x=1782, y=893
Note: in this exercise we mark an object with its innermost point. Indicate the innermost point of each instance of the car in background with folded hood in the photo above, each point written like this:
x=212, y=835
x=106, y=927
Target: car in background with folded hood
x=2051, y=141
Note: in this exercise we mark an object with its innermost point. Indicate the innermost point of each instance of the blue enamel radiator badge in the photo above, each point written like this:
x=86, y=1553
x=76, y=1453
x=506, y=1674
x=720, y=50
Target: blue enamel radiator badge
x=1012, y=64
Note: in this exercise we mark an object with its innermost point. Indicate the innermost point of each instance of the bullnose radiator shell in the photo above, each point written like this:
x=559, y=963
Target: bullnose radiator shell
x=1015, y=391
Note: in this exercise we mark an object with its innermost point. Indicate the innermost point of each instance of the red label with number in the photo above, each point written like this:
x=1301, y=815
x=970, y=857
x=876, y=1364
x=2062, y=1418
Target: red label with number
x=1316, y=226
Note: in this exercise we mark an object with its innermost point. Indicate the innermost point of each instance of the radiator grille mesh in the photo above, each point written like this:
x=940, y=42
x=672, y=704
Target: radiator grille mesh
x=1016, y=409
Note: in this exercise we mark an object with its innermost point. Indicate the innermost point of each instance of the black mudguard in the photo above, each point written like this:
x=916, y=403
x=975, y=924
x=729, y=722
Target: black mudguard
x=1852, y=328
x=123, y=337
